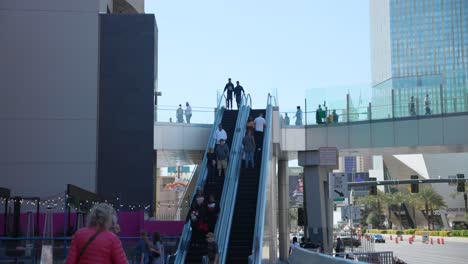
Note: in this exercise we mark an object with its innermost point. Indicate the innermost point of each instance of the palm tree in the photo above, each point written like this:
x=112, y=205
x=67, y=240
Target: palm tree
x=432, y=201
x=374, y=203
x=414, y=201
x=396, y=199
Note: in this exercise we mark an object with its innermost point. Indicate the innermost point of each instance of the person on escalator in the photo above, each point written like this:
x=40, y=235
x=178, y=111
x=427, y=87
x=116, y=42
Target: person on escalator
x=212, y=211
x=260, y=124
x=229, y=89
x=238, y=91
x=211, y=165
x=248, y=142
x=220, y=133
x=222, y=156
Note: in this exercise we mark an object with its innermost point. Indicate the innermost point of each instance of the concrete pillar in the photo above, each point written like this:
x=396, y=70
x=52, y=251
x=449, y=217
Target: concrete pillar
x=283, y=209
x=317, y=205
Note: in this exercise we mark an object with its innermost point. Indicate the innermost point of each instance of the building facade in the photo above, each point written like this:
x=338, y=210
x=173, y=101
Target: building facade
x=76, y=103
x=419, y=49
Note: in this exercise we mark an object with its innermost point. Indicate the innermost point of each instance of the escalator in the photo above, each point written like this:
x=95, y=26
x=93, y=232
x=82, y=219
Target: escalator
x=196, y=251
x=245, y=209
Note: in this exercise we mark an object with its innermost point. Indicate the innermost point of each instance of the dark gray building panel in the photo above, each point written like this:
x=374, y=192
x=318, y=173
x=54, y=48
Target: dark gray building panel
x=125, y=126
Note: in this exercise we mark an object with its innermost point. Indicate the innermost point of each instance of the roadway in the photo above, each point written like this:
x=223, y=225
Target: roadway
x=451, y=252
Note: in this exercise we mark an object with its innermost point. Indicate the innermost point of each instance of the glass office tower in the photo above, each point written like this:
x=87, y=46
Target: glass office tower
x=419, y=50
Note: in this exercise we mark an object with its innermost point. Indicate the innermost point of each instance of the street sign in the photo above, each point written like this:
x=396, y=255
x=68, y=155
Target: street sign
x=355, y=213
x=328, y=156
x=338, y=186
x=350, y=212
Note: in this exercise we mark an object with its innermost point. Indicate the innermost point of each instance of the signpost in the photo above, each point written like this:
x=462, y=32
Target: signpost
x=338, y=186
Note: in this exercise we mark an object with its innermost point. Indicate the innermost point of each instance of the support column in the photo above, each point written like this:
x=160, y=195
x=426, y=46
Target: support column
x=283, y=209
x=317, y=206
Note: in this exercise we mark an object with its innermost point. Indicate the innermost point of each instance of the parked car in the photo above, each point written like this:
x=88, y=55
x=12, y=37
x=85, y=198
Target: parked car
x=377, y=238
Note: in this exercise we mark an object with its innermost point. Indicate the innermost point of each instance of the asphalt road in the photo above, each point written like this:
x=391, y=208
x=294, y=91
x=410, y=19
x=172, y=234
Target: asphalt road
x=451, y=252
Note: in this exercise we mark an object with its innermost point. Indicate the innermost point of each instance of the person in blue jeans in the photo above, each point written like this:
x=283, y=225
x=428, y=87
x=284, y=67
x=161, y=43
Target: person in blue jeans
x=142, y=250
x=249, y=148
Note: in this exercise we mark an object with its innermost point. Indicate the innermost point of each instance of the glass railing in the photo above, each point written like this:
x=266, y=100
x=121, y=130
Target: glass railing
x=256, y=256
x=228, y=197
x=200, y=115
x=187, y=231
x=411, y=108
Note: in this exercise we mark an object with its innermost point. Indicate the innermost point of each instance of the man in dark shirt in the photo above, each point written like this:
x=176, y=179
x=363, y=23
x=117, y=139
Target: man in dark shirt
x=222, y=156
x=211, y=165
x=229, y=89
x=238, y=90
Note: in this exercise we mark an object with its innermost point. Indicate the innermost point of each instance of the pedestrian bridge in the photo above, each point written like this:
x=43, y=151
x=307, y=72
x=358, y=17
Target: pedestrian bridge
x=422, y=134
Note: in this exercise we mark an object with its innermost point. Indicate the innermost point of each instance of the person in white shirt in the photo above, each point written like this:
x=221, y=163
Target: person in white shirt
x=293, y=245
x=220, y=133
x=260, y=124
x=188, y=112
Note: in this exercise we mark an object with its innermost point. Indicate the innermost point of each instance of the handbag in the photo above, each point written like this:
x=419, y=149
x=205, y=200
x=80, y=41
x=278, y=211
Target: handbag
x=87, y=244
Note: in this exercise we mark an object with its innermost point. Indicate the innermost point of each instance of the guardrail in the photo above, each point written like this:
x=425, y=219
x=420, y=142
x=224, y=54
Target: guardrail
x=29, y=249
x=256, y=256
x=187, y=231
x=228, y=198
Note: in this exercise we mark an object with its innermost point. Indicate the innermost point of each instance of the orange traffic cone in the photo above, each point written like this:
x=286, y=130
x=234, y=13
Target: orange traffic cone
x=432, y=242
x=438, y=241
x=391, y=237
x=401, y=238
x=443, y=242
x=410, y=241
x=396, y=240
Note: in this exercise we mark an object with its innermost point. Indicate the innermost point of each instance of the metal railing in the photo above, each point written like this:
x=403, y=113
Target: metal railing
x=228, y=198
x=187, y=230
x=29, y=249
x=256, y=256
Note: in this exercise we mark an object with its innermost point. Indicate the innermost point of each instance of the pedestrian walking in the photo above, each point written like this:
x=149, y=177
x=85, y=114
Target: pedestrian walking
x=250, y=124
x=298, y=116
x=212, y=211
x=335, y=116
x=229, y=90
x=339, y=246
x=96, y=243
x=180, y=114
x=249, y=148
x=427, y=105
x=412, y=107
x=260, y=124
x=238, y=91
x=188, y=112
x=286, y=119
x=222, y=156
x=157, y=249
x=142, y=251
x=293, y=244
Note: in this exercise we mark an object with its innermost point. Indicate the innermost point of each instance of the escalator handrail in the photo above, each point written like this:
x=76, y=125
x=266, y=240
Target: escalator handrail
x=228, y=199
x=187, y=230
x=262, y=187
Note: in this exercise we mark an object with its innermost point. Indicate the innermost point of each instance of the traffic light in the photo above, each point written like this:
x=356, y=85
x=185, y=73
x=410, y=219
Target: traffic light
x=460, y=184
x=300, y=216
x=373, y=187
x=414, y=186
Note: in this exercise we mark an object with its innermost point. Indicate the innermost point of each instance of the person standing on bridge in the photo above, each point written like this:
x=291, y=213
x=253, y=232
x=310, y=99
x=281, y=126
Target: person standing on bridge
x=238, y=91
x=180, y=114
x=298, y=116
x=188, y=112
x=229, y=90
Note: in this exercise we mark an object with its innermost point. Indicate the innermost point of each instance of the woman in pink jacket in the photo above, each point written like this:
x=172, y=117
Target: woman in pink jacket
x=96, y=243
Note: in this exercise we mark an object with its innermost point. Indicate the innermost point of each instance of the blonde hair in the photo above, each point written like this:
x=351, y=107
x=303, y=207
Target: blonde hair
x=101, y=216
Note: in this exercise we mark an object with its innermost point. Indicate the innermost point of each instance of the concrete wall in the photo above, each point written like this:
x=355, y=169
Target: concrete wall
x=48, y=96
x=173, y=136
x=409, y=132
x=125, y=147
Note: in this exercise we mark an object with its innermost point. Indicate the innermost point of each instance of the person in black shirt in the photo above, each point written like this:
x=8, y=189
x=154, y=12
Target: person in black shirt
x=229, y=89
x=212, y=211
x=238, y=91
x=211, y=165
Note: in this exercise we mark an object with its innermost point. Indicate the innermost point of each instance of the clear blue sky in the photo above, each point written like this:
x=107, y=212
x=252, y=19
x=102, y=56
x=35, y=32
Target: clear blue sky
x=265, y=44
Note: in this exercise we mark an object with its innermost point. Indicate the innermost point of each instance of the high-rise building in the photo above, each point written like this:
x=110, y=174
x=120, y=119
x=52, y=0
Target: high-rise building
x=419, y=49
